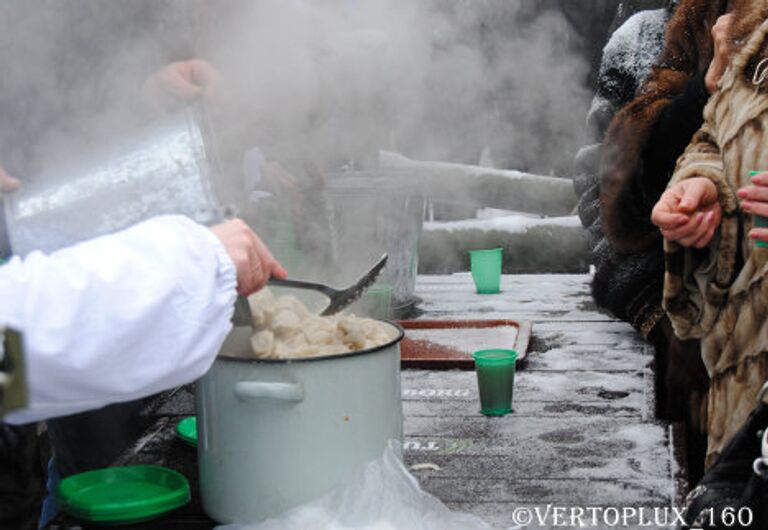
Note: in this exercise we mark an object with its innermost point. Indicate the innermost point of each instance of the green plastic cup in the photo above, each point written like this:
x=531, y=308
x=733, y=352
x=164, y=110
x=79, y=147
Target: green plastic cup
x=376, y=302
x=758, y=220
x=486, y=270
x=495, y=380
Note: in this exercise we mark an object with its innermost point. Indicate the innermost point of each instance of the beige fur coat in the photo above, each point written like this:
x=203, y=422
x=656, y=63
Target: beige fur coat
x=720, y=294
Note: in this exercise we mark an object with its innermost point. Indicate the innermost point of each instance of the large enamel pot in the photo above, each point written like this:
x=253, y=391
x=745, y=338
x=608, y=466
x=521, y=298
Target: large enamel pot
x=273, y=434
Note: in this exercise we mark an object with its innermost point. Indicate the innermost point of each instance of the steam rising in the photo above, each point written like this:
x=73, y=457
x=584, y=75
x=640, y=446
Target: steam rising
x=322, y=83
x=431, y=79
x=318, y=87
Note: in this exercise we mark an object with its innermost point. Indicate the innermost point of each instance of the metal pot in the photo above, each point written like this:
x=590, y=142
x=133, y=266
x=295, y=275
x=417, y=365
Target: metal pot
x=371, y=213
x=273, y=434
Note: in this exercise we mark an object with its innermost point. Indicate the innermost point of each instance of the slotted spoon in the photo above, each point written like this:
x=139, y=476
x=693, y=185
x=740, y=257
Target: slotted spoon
x=339, y=298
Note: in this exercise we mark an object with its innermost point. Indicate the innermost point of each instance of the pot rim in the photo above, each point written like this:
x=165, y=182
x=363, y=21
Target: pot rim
x=397, y=339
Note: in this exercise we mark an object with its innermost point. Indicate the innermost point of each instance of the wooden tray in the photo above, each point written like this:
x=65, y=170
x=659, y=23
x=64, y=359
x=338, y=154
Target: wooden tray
x=448, y=344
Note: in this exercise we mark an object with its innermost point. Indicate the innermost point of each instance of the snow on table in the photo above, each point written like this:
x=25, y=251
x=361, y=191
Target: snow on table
x=467, y=339
x=538, y=297
x=583, y=431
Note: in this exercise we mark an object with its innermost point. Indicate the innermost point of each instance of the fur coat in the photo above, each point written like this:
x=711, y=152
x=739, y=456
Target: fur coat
x=720, y=294
x=628, y=285
x=628, y=193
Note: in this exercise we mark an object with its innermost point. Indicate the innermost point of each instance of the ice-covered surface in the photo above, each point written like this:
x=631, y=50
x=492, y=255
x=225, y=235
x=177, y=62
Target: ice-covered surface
x=513, y=223
x=539, y=297
x=583, y=431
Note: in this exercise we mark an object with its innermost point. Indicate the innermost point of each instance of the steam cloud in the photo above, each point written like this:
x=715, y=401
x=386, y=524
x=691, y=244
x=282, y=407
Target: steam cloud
x=318, y=86
x=433, y=79
x=327, y=82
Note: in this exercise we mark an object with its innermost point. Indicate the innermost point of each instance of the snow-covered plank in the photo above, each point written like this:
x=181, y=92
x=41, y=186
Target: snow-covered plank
x=563, y=492
x=536, y=297
x=539, y=409
x=542, y=386
x=599, y=448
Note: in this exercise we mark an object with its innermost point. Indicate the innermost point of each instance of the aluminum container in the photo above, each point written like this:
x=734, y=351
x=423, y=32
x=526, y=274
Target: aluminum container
x=274, y=434
x=159, y=169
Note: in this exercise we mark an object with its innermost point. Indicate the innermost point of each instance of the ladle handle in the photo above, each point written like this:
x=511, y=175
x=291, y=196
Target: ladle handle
x=300, y=284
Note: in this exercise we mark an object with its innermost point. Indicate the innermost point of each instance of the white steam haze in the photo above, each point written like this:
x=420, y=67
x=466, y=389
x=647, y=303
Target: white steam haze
x=317, y=87
x=434, y=79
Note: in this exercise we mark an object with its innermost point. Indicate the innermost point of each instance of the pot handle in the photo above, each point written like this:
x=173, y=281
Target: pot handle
x=246, y=390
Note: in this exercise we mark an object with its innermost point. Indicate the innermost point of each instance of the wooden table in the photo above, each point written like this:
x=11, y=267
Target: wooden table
x=582, y=434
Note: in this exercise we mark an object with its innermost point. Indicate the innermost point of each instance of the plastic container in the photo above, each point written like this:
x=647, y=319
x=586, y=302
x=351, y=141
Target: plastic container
x=495, y=380
x=159, y=168
x=186, y=430
x=486, y=270
x=122, y=495
x=758, y=220
x=376, y=302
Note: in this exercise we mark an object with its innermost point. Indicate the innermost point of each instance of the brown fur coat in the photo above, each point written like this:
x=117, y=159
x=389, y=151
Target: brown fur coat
x=720, y=294
x=627, y=192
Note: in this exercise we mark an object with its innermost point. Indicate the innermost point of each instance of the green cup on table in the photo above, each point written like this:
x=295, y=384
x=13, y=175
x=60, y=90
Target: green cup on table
x=486, y=270
x=376, y=302
x=758, y=220
x=495, y=370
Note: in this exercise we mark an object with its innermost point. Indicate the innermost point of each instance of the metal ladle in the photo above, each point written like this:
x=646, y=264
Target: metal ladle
x=339, y=298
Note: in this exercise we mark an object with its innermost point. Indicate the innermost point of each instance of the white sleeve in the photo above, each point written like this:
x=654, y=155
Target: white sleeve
x=118, y=317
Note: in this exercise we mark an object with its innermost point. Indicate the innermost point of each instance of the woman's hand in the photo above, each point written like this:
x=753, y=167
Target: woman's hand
x=721, y=36
x=688, y=213
x=253, y=261
x=754, y=200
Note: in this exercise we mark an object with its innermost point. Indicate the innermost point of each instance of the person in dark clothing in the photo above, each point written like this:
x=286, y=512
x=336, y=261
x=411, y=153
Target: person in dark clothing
x=23, y=461
x=661, y=104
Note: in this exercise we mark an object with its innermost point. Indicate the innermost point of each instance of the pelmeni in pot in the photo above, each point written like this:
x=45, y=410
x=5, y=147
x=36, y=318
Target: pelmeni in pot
x=284, y=328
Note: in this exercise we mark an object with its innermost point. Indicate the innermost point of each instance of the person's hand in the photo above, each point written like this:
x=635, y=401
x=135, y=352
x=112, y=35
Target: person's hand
x=7, y=182
x=253, y=261
x=721, y=36
x=754, y=200
x=688, y=212
x=182, y=82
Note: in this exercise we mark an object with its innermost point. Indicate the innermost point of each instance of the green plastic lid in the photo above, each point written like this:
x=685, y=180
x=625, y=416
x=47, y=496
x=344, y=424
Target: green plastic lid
x=122, y=495
x=186, y=429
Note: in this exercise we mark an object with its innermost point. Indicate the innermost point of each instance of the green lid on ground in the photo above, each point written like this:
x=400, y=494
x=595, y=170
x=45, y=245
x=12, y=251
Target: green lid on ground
x=186, y=429
x=122, y=495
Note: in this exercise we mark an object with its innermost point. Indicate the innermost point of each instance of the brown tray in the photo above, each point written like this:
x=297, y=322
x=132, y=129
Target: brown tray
x=447, y=344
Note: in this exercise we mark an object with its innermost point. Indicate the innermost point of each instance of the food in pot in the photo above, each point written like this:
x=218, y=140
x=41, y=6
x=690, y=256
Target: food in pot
x=284, y=328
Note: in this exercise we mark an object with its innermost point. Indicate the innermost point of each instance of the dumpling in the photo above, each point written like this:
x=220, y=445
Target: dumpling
x=262, y=343
x=284, y=328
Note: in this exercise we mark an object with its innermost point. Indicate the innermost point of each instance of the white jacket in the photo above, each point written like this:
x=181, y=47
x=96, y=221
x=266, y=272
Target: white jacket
x=118, y=317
